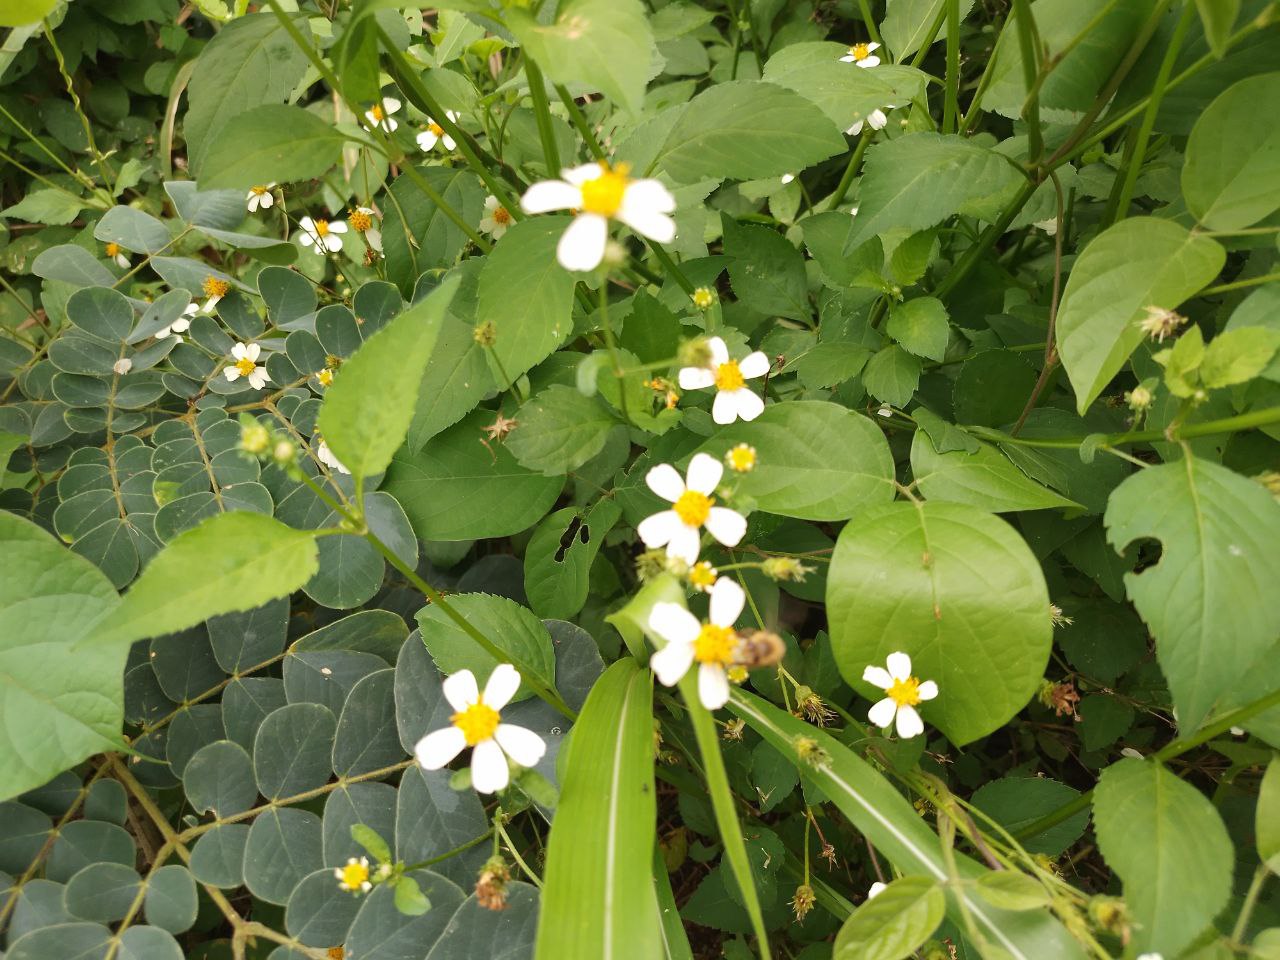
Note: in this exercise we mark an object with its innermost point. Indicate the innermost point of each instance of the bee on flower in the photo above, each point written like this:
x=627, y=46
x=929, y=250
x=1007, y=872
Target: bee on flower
x=692, y=508
x=260, y=198
x=325, y=456
x=598, y=193
x=379, y=115
x=734, y=400
x=496, y=219
x=876, y=120
x=322, y=234
x=903, y=694
x=713, y=645
x=477, y=723
x=863, y=54
x=116, y=253
x=362, y=220
x=434, y=134
x=354, y=877
x=244, y=357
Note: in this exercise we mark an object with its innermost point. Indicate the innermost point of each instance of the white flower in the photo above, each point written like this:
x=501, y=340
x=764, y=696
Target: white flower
x=733, y=399
x=712, y=644
x=354, y=877
x=245, y=357
x=260, y=198
x=362, y=222
x=876, y=118
x=496, y=219
x=787, y=178
x=904, y=692
x=379, y=115
x=434, y=134
x=322, y=234
x=325, y=456
x=1150, y=956
x=599, y=193
x=692, y=508
x=116, y=252
x=861, y=54
x=477, y=724
x=179, y=326
x=122, y=366
x=875, y=889
x=1131, y=753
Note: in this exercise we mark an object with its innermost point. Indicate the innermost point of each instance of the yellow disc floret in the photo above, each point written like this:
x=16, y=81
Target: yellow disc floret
x=216, y=287
x=715, y=645
x=501, y=215
x=729, y=376
x=321, y=228
x=703, y=298
x=435, y=128
x=113, y=249
x=377, y=113
x=325, y=377
x=259, y=191
x=603, y=195
x=693, y=508
x=905, y=693
x=702, y=575
x=859, y=51
x=742, y=458
x=360, y=221
x=354, y=874
x=477, y=722
x=245, y=366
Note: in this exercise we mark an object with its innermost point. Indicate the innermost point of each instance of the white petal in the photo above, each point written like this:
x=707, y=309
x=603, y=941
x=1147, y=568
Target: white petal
x=878, y=887
x=657, y=530
x=307, y=239
x=337, y=226
x=871, y=47
x=727, y=526
x=391, y=104
x=684, y=544
x=719, y=351
x=489, y=772
x=252, y=351
x=877, y=119
x=704, y=473
x=374, y=238
x=899, y=665
x=869, y=62
x=665, y=481
x=520, y=744
x=696, y=378
x=648, y=195
x=927, y=690
x=581, y=174
x=582, y=245
x=856, y=129
x=439, y=747
x=253, y=202
x=461, y=690
x=848, y=58
x=878, y=677
x=882, y=713
x=258, y=379
x=655, y=226
x=713, y=686
x=727, y=599
x=749, y=405
x=231, y=373
x=550, y=195
x=501, y=687
x=754, y=365
x=452, y=115
x=426, y=140
x=307, y=224
x=674, y=623
x=333, y=243
x=671, y=663
x=267, y=200
x=909, y=723
x=724, y=409
x=448, y=142
x=238, y=351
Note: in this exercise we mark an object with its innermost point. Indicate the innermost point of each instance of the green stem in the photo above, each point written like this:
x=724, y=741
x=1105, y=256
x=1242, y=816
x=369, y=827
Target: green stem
x=1250, y=901
x=579, y=120
x=869, y=21
x=672, y=268
x=612, y=346
x=950, y=104
x=1242, y=421
x=515, y=854
x=985, y=242
x=1030, y=70
x=851, y=169
x=1240, y=284
x=542, y=114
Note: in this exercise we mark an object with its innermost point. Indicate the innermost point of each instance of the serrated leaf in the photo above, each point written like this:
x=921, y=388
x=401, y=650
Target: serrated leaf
x=922, y=326
x=907, y=24
x=49, y=206
x=273, y=142
x=815, y=71
x=894, y=923
x=984, y=478
x=559, y=430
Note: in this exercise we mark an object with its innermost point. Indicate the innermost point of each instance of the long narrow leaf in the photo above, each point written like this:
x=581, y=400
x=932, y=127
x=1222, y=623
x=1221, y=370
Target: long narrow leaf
x=886, y=819
x=598, y=902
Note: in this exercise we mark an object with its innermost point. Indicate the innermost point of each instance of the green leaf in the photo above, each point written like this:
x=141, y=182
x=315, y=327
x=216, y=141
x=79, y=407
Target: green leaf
x=18, y=13
x=1168, y=844
x=1237, y=356
x=416, y=234
x=513, y=629
x=456, y=380
x=171, y=900
x=894, y=923
x=1207, y=601
x=50, y=602
x=1137, y=263
x=603, y=45
x=766, y=270
x=887, y=819
x=46, y=206
x=457, y=489
x=244, y=559
x=799, y=471
x=557, y=562
x=919, y=180
x=559, y=430
x=1268, y=816
x=368, y=838
x=133, y=229
x=409, y=898
x=526, y=295
x=745, y=130
x=814, y=71
x=1013, y=890
x=892, y=375
x=984, y=478
x=274, y=142
x=389, y=366
x=1218, y=17
x=907, y=24
x=597, y=897
x=1231, y=176
x=922, y=326
x=250, y=61
x=957, y=589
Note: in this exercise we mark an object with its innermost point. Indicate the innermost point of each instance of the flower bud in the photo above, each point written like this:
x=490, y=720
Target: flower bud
x=254, y=437
x=694, y=353
x=703, y=298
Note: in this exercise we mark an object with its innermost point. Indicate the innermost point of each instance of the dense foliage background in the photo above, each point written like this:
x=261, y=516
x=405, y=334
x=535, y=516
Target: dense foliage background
x=303, y=410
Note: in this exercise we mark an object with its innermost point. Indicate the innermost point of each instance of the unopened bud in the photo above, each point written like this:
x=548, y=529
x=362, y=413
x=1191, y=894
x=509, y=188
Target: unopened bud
x=486, y=334
x=694, y=353
x=254, y=438
x=785, y=568
x=703, y=298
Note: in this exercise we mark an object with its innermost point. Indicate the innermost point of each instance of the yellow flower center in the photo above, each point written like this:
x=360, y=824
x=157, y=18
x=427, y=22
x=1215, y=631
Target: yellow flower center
x=905, y=693
x=742, y=458
x=246, y=366
x=354, y=874
x=715, y=645
x=336, y=953
x=603, y=195
x=258, y=191
x=214, y=287
x=378, y=113
x=702, y=575
x=501, y=215
x=113, y=249
x=703, y=298
x=729, y=377
x=859, y=51
x=325, y=377
x=360, y=221
x=321, y=228
x=477, y=722
x=693, y=508
x=435, y=128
